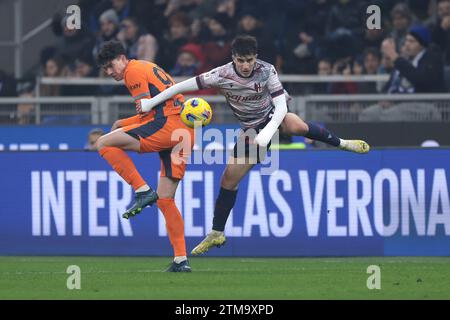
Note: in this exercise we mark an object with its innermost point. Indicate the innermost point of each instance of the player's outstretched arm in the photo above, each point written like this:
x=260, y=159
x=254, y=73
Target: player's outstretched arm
x=265, y=135
x=184, y=86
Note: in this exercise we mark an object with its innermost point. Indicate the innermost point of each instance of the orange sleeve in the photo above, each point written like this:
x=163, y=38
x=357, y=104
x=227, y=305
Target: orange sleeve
x=137, y=84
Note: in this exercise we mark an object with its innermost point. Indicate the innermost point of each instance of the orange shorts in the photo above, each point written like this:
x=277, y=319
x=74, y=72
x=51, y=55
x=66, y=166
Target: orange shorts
x=167, y=135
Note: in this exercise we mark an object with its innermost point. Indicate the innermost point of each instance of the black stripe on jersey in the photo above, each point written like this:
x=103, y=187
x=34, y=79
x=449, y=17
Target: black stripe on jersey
x=277, y=93
x=199, y=82
x=148, y=129
x=154, y=91
x=166, y=159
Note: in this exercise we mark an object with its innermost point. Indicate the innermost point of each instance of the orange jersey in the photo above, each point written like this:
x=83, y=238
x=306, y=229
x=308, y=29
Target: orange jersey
x=145, y=80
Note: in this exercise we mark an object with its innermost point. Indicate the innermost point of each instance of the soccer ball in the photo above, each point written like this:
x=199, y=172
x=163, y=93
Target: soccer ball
x=196, y=110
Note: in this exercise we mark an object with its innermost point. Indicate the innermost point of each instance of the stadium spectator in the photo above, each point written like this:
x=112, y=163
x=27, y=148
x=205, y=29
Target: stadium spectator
x=421, y=71
x=421, y=9
x=71, y=42
x=138, y=43
x=348, y=14
x=371, y=64
x=372, y=58
x=358, y=68
x=109, y=27
x=196, y=9
x=228, y=7
x=249, y=24
x=83, y=67
x=343, y=67
x=401, y=20
x=310, y=29
x=93, y=136
x=53, y=67
x=305, y=30
x=174, y=6
x=441, y=30
x=216, y=41
x=299, y=55
x=324, y=68
x=373, y=38
x=122, y=9
x=386, y=66
x=190, y=61
x=25, y=111
x=7, y=85
x=178, y=35
x=424, y=69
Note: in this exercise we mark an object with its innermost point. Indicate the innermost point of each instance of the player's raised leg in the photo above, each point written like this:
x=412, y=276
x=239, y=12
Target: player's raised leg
x=111, y=147
x=294, y=125
x=233, y=174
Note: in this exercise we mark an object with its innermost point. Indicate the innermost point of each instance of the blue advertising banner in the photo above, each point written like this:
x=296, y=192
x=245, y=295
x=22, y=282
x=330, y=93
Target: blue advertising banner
x=35, y=138
x=318, y=203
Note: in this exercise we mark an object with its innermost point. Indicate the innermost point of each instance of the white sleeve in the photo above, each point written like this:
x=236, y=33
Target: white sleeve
x=184, y=86
x=274, y=84
x=210, y=79
x=265, y=135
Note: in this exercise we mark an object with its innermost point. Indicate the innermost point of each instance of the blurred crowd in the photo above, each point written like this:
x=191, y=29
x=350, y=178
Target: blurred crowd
x=325, y=37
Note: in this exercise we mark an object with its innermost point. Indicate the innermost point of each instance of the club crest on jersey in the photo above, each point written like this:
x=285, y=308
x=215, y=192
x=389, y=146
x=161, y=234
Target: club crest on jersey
x=257, y=87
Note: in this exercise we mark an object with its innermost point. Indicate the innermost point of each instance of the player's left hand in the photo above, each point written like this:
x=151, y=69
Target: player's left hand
x=262, y=139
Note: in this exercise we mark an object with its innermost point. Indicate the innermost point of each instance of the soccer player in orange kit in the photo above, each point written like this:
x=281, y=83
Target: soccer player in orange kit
x=148, y=132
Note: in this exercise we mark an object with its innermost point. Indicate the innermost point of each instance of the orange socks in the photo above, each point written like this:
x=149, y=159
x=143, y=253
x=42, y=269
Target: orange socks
x=123, y=165
x=174, y=225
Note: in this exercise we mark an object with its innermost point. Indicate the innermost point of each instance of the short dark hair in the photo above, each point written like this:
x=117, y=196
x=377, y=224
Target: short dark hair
x=372, y=51
x=109, y=51
x=96, y=131
x=244, y=45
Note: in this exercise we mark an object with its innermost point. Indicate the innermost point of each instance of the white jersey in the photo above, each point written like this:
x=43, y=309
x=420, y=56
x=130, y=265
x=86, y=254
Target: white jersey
x=250, y=98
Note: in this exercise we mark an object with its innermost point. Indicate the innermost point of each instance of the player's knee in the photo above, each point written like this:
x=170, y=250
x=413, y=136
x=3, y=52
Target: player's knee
x=228, y=182
x=163, y=203
x=297, y=129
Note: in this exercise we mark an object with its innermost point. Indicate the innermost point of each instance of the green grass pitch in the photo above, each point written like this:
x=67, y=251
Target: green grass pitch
x=225, y=278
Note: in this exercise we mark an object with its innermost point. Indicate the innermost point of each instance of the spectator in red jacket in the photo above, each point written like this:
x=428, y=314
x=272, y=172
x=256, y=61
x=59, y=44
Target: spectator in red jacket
x=216, y=42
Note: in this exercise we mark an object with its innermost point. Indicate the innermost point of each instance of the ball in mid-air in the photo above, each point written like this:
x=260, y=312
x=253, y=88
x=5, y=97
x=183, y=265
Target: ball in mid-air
x=196, y=111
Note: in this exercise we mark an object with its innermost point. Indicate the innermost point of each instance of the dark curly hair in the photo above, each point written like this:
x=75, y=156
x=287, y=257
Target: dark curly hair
x=244, y=45
x=109, y=51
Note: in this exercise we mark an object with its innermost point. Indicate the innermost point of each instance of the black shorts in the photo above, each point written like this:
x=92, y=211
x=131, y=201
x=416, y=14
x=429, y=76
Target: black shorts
x=244, y=148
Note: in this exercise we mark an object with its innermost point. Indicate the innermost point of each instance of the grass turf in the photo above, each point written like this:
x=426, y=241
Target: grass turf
x=225, y=278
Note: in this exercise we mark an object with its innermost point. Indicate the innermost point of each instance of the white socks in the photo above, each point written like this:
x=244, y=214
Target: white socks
x=343, y=143
x=144, y=188
x=179, y=259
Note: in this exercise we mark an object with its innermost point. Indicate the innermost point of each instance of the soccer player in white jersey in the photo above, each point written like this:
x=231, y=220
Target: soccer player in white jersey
x=256, y=96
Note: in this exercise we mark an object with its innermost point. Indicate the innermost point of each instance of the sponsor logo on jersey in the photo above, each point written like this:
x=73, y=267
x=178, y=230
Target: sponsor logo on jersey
x=134, y=86
x=239, y=98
